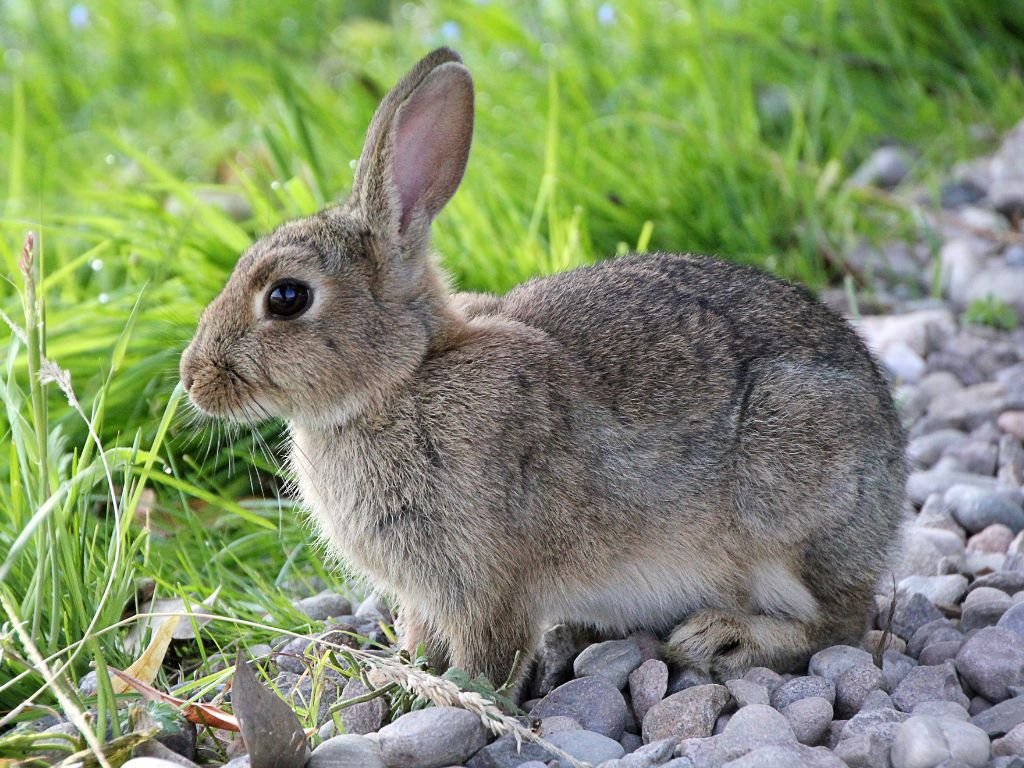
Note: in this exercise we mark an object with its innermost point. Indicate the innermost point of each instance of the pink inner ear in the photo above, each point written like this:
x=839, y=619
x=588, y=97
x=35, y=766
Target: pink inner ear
x=431, y=142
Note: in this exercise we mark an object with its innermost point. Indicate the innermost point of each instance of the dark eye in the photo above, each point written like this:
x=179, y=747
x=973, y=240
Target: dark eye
x=288, y=299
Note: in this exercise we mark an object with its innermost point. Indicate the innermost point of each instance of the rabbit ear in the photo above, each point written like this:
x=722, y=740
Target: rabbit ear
x=417, y=145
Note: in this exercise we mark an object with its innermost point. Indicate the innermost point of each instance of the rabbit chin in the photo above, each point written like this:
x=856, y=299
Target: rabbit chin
x=321, y=418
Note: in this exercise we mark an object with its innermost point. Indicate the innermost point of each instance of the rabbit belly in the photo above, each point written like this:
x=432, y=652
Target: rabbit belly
x=640, y=594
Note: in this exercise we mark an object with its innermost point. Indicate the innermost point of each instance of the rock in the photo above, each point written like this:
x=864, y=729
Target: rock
x=769, y=678
x=746, y=692
x=346, y=751
x=1001, y=718
x=505, y=752
x=697, y=752
x=895, y=667
x=150, y=762
x=874, y=638
x=925, y=450
x=940, y=653
x=679, y=679
x=809, y=719
x=431, y=738
x=913, y=613
x=646, y=756
x=995, y=538
x=991, y=660
x=983, y=607
x=877, y=700
x=594, y=702
x=1010, y=464
x=324, y=606
x=554, y=657
x=920, y=485
x=946, y=709
x=691, y=713
x=830, y=663
x=1013, y=620
x=970, y=406
x=365, y=717
x=1012, y=422
x=751, y=727
x=587, y=746
x=1010, y=744
x=647, y=686
x=939, y=590
x=977, y=508
x=238, y=762
x=956, y=194
x=960, y=260
x=924, y=741
x=975, y=456
x=1009, y=582
x=786, y=756
x=886, y=167
x=924, y=549
x=864, y=751
x=1002, y=283
x=802, y=688
x=854, y=686
x=613, y=659
x=549, y=726
x=937, y=683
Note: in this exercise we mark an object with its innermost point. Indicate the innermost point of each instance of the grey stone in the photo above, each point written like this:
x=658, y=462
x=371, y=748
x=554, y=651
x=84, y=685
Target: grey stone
x=984, y=610
x=1001, y=718
x=698, y=751
x=924, y=741
x=920, y=485
x=832, y=662
x=941, y=652
x=1013, y=620
x=346, y=751
x=913, y=613
x=324, y=606
x=886, y=167
x=691, y=713
x=431, y=738
x=1010, y=744
x=991, y=660
x=937, y=683
x=895, y=667
x=934, y=631
x=594, y=702
x=746, y=692
x=961, y=258
x=1009, y=582
x=978, y=704
x=153, y=762
x=977, y=508
x=613, y=659
x=975, y=456
x=753, y=726
x=769, y=678
x=854, y=686
x=946, y=709
x=549, y=726
x=647, y=686
x=1004, y=283
x=802, y=688
x=924, y=548
x=242, y=761
x=955, y=194
x=868, y=750
x=554, y=656
x=679, y=679
x=646, y=756
x=939, y=590
x=925, y=450
x=365, y=717
x=505, y=752
x=994, y=539
x=877, y=700
x=809, y=719
x=587, y=747
x=787, y=756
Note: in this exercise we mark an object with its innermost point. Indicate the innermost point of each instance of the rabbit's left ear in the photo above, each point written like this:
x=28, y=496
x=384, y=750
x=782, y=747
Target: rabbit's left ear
x=417, y=146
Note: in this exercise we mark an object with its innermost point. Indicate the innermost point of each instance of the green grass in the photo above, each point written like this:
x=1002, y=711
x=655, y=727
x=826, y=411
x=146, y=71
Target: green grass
x=150, y=143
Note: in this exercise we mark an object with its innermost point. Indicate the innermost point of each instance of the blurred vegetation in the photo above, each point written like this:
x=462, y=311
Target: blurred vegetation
x=150, y=142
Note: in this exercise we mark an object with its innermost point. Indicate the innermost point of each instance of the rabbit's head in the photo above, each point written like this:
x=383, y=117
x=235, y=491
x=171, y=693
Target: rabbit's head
x=326, y=315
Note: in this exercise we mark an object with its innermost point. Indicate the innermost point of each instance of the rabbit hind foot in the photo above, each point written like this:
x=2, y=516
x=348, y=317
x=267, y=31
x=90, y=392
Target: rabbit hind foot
x=726, y=643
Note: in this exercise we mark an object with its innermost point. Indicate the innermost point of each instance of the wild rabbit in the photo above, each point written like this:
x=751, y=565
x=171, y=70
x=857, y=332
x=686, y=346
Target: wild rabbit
x=662, y=441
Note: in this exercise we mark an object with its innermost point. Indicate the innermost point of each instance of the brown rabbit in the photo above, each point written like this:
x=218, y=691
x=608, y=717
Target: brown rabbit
x=663, y=441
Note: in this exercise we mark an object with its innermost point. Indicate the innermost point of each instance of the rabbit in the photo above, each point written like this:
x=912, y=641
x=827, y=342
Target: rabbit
x=657, y=442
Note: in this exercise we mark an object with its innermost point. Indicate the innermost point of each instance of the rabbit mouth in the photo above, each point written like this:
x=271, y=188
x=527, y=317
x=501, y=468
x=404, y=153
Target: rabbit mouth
x=223, y=393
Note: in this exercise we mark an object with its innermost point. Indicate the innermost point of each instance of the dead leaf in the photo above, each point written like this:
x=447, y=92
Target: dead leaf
x=198, y=713
x=145, y=667
x=183, y=627
x=271, y=730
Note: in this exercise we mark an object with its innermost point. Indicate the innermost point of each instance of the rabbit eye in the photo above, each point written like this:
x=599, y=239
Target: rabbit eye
x=288, y=299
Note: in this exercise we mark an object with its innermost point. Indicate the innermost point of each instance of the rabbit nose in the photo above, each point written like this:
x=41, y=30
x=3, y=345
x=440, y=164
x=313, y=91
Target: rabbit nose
x=186, y=380
x=185, y=371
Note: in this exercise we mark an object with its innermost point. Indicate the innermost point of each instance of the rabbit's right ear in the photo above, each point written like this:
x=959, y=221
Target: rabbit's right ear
x=417, y=147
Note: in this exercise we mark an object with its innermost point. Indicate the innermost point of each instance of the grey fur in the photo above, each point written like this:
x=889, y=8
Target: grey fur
x=662, y=441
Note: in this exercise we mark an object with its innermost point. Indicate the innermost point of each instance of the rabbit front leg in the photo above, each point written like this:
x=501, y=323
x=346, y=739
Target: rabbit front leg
x=414, y=632
x=496, y=640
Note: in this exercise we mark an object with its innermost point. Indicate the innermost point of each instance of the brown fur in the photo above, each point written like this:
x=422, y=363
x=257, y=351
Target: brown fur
x=661, y=441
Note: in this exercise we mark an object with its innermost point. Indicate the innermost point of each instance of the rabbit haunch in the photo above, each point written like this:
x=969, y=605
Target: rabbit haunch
x=664, y=442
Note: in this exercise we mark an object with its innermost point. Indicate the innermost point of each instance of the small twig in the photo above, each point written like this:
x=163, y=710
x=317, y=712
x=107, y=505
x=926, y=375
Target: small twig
x=879, y=654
